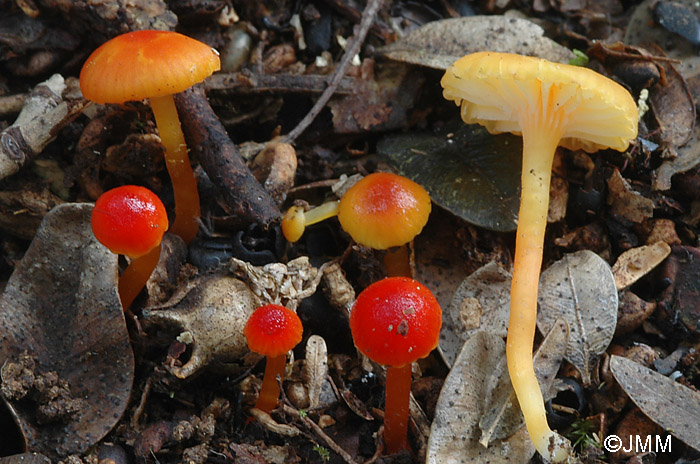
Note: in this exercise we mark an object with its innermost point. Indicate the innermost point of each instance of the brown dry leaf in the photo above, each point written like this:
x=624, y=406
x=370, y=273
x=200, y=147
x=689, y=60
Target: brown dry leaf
x=438, y=44
x=626, y=202
x=480, y=303
x=477, y=405
x=580, y=288
x=686, y=157
x=315, y=368
x=635, y=263
x=61, y=305
x=673, y=108
x=673, y=406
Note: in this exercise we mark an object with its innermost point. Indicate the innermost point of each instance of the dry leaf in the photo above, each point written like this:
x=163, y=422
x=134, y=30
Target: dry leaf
x=439, y=43
x=626, y=202
x=61, y=306
x=635, y=263
x=480, y=303
x=580, y=288
x=315, y=368
x=673, y=406
x=503, y=417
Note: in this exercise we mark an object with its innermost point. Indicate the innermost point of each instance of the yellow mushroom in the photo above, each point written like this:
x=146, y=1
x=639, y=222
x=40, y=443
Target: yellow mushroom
x=550, y=105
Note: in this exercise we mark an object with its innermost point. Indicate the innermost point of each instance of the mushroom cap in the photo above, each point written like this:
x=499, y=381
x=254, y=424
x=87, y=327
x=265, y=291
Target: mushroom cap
x=272, y=330
x=501, y=91
x=384, y=210
x=143, y=64
x=396, y=321
x=129, y=220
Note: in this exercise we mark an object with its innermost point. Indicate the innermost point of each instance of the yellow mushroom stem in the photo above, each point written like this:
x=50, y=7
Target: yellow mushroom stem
x=135, y=276
x=541, y=136
x=397, y=397
x=187, y=210
x=296, y=219
x=270, y=390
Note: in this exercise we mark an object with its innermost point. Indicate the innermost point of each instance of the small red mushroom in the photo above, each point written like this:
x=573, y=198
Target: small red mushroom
x=395, y=322
x=381, y=211
x=131, y=220
x=272, y=330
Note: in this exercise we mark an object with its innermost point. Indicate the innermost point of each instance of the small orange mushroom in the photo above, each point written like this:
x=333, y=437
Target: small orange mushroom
x=155, y=65
x=395, y=322
x=550, y=104
x=272, y=330
x=381, y=211
x=131, y=220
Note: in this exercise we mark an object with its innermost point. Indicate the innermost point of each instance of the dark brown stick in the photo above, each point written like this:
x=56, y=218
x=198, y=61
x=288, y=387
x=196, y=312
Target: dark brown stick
x=242, y=194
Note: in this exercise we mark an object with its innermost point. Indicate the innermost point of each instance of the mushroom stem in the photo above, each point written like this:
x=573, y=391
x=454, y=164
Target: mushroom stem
x=296, y=219
x=539, y=146
x=187, y=211
x=398, y=391
x=270, y=390
x=397, y=261
x=135, y=276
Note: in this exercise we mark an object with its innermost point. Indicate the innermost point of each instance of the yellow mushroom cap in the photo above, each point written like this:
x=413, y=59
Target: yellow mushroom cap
x=503, y=92
x=144, y=64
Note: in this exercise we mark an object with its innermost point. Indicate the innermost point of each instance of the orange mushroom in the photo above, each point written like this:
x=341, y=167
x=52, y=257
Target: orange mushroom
x=395, y=322
x=272, y=330
x=155, y=65
x=550, y=104
x=131, y=220
x=381, y=211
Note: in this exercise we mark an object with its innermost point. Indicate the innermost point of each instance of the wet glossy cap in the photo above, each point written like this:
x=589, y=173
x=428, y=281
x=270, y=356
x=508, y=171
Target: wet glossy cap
x=396, y=321
x=144, y=64
x=272, y=330
x=384, y=210
x=129, y=220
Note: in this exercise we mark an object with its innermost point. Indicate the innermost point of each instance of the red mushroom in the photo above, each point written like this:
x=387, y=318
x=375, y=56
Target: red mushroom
x=272, y=330
x=381, y=211
x=155, y=65
x=131, y=220
x=395, y=322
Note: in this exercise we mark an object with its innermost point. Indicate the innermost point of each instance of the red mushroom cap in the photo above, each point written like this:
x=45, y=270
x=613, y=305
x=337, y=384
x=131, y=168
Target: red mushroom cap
x=396, y=321
x=384, y=210
x=129, y=220
x=143, y=64
x=272, y=330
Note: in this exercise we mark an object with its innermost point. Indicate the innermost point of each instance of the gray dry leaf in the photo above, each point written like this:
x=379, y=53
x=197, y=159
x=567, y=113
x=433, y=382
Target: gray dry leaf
x=635, y=263
x=61, y=306
x=580, y=288
x=480, y=303
x=439, y=43
x=673, y=406
x=454, y=435
x=477, y=417
x=315, y=368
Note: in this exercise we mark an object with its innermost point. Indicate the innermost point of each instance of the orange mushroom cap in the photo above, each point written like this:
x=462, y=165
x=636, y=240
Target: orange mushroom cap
x=396, y=321
x=144, y=64
x=129, y=220
x=272, y=330
x=384, y=210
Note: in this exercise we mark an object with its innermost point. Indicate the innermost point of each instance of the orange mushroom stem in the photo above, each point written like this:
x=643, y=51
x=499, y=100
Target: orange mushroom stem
x=156, y=65
x=382, y=211
x=272, y=330
x=395, y=322
x=550, y=104
x=131, y=220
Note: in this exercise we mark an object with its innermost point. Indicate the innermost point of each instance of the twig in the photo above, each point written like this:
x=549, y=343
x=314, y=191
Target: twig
x=368, y=16
x=321, y=434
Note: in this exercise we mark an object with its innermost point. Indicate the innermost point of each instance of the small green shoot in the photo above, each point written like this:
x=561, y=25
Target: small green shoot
x=323, y=452
x=303, y=413
x=579, y=59
x=583, y=434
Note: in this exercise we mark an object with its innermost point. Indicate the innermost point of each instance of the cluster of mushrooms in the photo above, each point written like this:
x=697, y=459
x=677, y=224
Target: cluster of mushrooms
x=397, y=320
